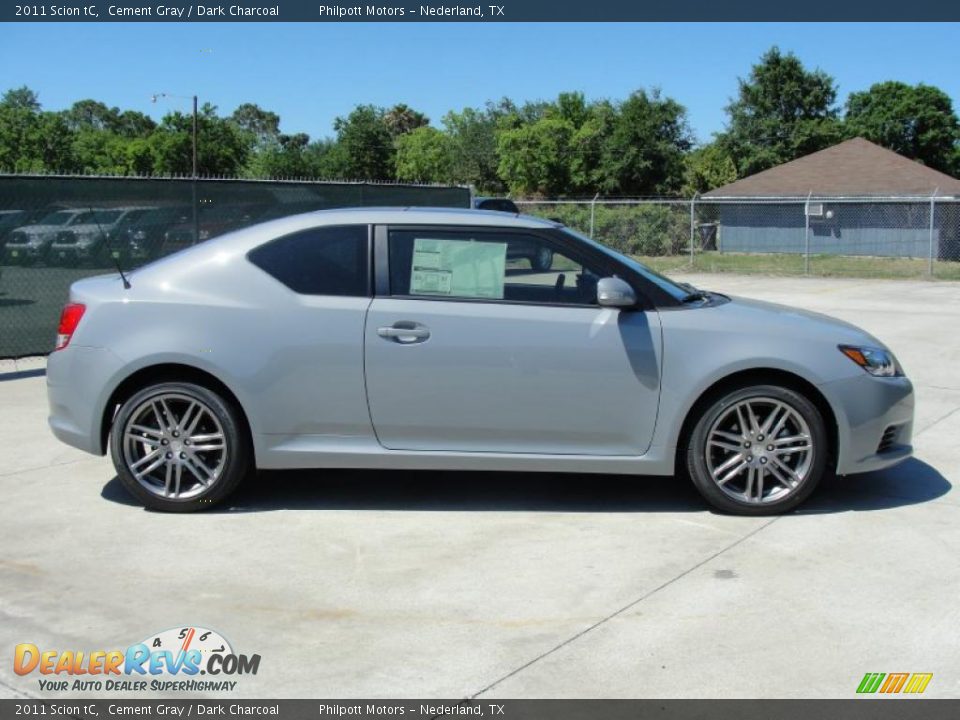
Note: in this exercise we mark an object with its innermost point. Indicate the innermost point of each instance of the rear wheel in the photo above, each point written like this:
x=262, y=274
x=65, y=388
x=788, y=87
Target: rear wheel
x=179, y=447
x=758, y=450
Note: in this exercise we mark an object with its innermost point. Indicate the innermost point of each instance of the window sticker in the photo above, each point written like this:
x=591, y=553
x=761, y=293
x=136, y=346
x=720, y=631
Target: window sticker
x=458, y=268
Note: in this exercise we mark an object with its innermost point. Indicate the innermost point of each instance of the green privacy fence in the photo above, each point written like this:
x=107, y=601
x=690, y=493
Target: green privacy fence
x=57, y=229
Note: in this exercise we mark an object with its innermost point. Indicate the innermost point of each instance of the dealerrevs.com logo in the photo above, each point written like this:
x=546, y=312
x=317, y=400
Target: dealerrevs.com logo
x=189, y=659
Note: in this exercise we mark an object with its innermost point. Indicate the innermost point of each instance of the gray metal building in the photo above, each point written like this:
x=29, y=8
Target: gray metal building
x=854, y=198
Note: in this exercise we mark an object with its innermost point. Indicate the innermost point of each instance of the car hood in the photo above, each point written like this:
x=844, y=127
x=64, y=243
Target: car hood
x=793, y=322
x=88, y=227
x=38, y=229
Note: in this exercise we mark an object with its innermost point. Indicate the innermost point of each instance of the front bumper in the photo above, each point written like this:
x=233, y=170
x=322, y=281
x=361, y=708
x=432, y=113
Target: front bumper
x=67, y=253
x=875, y=422
x=15, y=253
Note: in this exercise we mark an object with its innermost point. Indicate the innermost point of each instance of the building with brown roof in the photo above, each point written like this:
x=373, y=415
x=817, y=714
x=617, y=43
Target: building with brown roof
x=854, y=198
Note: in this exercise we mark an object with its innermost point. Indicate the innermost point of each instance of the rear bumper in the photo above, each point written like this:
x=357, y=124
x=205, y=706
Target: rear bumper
x=77, y=382
x=875, y=422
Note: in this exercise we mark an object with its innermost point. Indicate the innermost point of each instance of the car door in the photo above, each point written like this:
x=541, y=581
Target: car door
x=476, y=347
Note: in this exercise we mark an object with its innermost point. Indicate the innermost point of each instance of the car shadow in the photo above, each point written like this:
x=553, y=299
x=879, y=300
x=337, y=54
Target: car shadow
x=910, y=483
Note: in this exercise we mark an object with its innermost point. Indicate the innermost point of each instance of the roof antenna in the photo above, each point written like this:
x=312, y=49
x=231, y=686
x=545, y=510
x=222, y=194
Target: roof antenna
x=113, y=256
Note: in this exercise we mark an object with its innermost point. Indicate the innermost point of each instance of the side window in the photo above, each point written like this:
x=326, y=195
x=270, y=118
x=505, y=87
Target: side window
x=318, y=261
x=510, y=266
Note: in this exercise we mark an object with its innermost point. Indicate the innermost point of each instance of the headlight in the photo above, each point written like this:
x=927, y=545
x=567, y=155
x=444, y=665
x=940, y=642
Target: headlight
x=876, y=361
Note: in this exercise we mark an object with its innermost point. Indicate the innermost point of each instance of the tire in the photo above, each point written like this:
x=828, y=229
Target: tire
x=772, y=475
x=543, y=260
x=203, y=454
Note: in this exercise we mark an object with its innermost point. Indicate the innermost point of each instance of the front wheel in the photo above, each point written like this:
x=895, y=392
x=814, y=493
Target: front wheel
x=179, y=447
x=758, y=450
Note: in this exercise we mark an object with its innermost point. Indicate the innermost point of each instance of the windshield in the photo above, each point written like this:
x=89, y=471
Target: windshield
x=674, y=289
x=60, y=217
x=102, y=217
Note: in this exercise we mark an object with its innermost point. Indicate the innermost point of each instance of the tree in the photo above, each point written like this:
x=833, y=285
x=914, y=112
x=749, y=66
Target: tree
x=535, y=158
x=262, y=125
x=133, y=124
x=782, y=111
x=92, y=115
x=587, y=173
x=282, y=158
x=32, y=140
x=917, y=121
x=401, y=119
x=222, y=148
x=323, y=159
x=473, y=145
x=707, y=168
x=424, y=155
x=21, y=98
x=366, y=149
x=643, y=152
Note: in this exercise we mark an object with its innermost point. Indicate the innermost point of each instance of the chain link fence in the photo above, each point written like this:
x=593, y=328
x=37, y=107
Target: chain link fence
x=57, y=229
x=890, y=237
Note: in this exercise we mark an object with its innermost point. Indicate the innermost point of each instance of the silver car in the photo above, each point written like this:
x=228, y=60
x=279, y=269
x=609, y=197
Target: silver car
x=417, y=339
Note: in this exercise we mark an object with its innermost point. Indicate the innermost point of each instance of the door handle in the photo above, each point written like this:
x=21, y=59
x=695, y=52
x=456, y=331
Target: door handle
x=405, y=332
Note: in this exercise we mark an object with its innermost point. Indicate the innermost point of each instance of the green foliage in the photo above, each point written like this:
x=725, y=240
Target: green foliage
x=222, y=147
x=535, y=157
x=917, y=121
x=261, y=125
x=571, y=147
x=21, y=98
x=632, y=229
x=568, y=147
x=32, y=140
x=283, y=156
x=782, y=111
x=473, y=146
x=401, y=119
x=707, y=168
x=423, y=155
x=644, y=152
x=367, y=151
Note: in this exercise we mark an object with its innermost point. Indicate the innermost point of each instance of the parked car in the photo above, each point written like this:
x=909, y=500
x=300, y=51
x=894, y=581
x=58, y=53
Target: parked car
x=31, y=243
x=212, y=221
x=380, y=338
x=142, y=241
x=91, y=239
x=540, y=258
x=10, y=220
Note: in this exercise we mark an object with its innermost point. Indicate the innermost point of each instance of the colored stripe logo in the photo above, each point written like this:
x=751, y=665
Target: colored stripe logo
x=890, y=683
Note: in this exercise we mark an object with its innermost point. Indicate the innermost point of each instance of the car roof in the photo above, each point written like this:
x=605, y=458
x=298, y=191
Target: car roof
x=432, y=216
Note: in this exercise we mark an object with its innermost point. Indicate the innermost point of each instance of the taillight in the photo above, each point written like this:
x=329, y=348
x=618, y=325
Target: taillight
x=69, y=319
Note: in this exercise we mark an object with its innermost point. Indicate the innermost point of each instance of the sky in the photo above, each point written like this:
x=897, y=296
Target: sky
x=310, y=73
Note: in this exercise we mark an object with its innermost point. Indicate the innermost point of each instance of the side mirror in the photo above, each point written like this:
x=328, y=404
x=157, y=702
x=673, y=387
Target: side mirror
x=614, y=292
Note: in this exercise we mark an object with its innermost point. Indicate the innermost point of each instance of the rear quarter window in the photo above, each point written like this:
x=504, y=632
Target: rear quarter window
x=319, y=261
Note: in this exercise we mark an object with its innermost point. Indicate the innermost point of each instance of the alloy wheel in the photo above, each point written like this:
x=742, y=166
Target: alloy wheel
x=759, y=450
x=174, y=446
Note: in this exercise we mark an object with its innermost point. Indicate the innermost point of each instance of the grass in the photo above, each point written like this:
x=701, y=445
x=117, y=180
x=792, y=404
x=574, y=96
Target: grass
x=820, y=265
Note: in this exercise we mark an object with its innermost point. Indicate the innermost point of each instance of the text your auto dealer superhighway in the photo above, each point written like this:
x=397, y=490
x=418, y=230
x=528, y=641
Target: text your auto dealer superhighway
x=189, y=11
